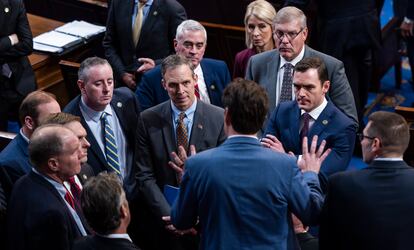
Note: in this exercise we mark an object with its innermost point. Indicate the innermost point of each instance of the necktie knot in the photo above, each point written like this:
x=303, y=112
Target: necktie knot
x=288, y=66
x=104, y=115
x=181, y=117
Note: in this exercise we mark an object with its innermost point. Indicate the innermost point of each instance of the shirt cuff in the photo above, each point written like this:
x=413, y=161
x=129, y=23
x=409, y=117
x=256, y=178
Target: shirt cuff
x=407, y=20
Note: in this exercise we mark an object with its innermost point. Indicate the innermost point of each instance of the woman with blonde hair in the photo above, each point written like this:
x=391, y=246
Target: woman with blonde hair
x=259, y=34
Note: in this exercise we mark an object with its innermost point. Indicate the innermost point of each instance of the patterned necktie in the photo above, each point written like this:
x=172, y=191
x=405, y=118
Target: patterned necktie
x=197, y=91
x=136, y=31
x=305, y=129
x=181, y=132
x=286, y=93
x=74, y=189
x=111, y=150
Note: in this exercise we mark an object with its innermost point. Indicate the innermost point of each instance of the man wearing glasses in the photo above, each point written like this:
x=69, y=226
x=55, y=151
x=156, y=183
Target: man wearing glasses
x=372, y=208
x=273, y=69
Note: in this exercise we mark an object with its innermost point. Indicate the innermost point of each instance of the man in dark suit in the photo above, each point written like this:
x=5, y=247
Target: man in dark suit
x=372, y=208
x=131, y=50
x=42, y=213
x=312, y=114
x=350, y=31
x=240, y=197
x=106, y=209
x=15, y=157
x=163, y=129
x=16, y=75
x=213, y=75
x=269, y=68
x=100, y=104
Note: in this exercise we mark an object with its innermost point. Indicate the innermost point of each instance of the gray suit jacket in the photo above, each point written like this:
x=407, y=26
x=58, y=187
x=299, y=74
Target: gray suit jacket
x=262, y=68
x=156, y=141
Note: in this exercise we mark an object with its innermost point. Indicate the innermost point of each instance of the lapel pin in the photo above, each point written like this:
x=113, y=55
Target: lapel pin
x=6, y=9
x=200, y=126
x=119, y=104
x=155, y=13
x=324, y=122
x=85, y=177
x=212, y=87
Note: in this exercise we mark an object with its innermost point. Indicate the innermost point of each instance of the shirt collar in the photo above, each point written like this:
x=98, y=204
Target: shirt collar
x=295, y=60
x=148, y=3
x=93, y=114
x=316, y=112
x=249, y=136
x=388, y=159
x=198, y=71
x=116, y=236
x=24, y=136
x=188, y=112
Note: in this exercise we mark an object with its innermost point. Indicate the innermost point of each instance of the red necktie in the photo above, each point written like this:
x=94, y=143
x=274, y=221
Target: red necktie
x=69, y=199
x=196, y=91
x=74, y=189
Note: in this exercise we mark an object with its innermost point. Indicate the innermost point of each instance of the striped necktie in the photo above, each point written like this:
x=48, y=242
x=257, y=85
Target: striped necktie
x=111, y=150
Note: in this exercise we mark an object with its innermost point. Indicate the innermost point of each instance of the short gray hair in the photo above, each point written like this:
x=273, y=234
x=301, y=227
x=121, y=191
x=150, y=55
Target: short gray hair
x=174, y=61
x=290, y=14
x=87, y=64
x=189, y=25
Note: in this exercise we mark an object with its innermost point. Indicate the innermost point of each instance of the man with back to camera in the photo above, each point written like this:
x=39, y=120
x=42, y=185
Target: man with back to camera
x=273, y=69
x=240, y=192
x=372, y=208
x=213, y=75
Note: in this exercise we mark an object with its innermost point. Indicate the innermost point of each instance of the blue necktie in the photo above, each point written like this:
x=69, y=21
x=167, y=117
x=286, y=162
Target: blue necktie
x=111, y=150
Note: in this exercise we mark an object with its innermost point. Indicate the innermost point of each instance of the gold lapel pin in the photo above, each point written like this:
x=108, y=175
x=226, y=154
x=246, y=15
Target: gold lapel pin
x=119, y=104
x=324, y=122
x=6, y=9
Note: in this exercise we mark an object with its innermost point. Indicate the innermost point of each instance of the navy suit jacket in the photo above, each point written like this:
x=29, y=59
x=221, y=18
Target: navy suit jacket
x=97, y=242
x=15, y=158
x=242, y=194
x=157, y=33
x=216, y=76
x=126, y=106
x=332, y=125
x=38, y=217
x=369, y=208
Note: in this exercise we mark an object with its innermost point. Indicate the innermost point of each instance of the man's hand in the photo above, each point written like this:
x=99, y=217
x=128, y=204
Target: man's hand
x=298, y=226
x=406, y=29
x=147, y=64
x=312, y=159
x=270, y=141
x=177, y=160
x=14, y=39
x=170, y=227
x=129, y=80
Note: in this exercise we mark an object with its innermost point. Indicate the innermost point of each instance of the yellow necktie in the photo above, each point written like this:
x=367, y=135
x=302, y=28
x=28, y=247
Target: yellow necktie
x=136, y=31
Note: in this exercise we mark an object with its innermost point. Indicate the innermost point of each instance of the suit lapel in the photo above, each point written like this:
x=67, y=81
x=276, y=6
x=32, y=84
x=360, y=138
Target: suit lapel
x=272, y=69
x=209, y=79
x=323, y=120
x=168, y=137
x=151, y=18
x=197, y=131
x=294, y=121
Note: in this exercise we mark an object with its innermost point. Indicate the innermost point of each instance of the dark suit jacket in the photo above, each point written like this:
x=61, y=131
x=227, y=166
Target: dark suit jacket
x=263, y=68
x=15, y=21
x=97, y=242
x=156, y=141
x=15, y=158
x=369, y=208
x=156, y=39
x=38, y=217
x=125, y=104
x=216, y=76
x=332, y=125
x=242, y=194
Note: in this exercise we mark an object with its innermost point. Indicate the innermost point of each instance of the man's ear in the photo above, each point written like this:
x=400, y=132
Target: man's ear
x=376, y=146
x=325, y=87
x=53, y=164
x=81, y=86
x=124, y=209
x=227, y=119
x=29, y=122
x=175, y=45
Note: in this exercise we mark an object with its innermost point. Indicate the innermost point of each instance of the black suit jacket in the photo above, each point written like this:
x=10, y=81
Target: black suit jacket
x=156, y=39
x=38, y=217
x=156, y=141
x=97, y=242
x=15, y=21
x=125, y=104
x=369, y=209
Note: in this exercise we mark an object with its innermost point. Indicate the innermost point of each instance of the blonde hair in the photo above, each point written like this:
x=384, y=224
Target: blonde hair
x=262, y=10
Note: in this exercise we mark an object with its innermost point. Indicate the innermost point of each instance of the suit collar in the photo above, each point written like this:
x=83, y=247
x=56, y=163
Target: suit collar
x=167, y=128
x=197, y=131
x=153, y=15
x=242, y=140
x=294, y=122
x=23, y=144
x=388, y=165
x=208, y=75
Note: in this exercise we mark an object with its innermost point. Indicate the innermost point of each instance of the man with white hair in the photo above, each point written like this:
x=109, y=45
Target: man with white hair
x=213, y=75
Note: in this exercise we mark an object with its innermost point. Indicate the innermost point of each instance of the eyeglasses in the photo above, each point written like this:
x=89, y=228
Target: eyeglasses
x=289, y=35
x=361, y=137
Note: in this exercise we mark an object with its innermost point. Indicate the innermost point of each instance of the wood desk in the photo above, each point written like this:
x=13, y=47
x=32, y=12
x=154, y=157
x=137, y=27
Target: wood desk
x=46, y=66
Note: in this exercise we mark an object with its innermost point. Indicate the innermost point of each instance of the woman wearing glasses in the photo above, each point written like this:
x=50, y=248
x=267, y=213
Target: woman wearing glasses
x=258, y=25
